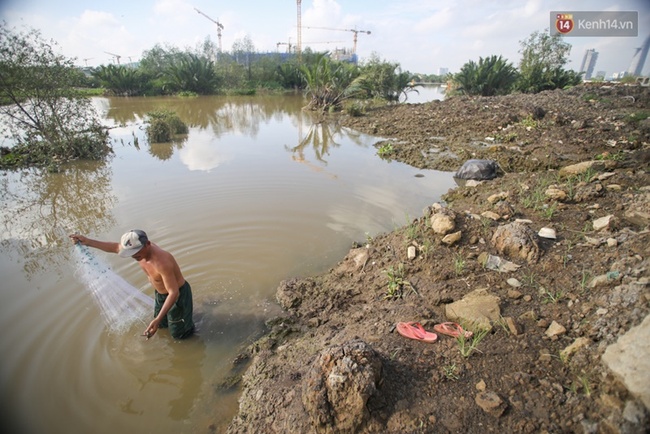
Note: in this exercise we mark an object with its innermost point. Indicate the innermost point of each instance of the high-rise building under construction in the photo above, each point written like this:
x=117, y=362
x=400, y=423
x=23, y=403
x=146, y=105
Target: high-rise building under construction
x=639, y=58
x=589, y=63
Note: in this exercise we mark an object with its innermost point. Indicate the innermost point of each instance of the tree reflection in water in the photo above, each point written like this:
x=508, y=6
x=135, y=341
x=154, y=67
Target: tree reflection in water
x=40, y=209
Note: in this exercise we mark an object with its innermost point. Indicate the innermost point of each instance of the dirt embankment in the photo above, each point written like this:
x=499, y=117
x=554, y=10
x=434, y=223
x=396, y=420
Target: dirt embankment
x=552, y=306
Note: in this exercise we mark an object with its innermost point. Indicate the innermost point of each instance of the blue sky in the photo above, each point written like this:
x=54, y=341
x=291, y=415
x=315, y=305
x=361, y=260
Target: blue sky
x=421, y=35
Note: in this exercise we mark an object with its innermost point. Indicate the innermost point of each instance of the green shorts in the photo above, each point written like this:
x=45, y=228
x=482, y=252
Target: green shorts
x=179, y=318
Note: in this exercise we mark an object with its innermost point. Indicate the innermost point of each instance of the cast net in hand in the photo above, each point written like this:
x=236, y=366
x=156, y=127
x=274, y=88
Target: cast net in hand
x=121, y=304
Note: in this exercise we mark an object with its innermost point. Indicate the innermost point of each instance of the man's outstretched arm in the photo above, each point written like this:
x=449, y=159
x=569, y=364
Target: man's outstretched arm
x=107, y=246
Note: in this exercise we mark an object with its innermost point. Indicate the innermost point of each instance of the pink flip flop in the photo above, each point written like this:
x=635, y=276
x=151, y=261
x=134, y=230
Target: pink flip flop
x=414, y=330
x=452, y=329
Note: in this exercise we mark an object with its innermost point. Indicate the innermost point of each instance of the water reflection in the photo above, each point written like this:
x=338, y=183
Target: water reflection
x=164, y=151
x=40, y=208
x=320, y=138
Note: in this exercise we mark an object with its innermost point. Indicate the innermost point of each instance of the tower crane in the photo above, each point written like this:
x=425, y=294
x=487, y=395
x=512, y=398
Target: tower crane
x=288, y=44
x=299, y=43
x=219, y=26
x=116, y=56
x=355, y=31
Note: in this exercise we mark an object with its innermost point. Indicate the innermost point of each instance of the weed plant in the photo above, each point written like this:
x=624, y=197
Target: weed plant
x=468, y=345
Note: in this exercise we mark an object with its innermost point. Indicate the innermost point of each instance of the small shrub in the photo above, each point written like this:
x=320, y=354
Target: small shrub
x=386, y=150
x=163, y=125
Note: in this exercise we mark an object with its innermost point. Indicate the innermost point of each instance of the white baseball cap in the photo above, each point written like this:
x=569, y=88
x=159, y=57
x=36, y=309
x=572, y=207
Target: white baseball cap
x=132, y=242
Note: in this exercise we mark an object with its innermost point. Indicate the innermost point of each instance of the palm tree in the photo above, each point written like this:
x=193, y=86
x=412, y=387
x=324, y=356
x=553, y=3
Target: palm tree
x=189, y=72
x=327, y=82
x=490, y=76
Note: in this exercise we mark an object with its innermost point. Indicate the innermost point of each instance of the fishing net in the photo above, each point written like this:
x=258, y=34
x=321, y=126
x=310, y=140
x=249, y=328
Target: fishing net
x=121, y=304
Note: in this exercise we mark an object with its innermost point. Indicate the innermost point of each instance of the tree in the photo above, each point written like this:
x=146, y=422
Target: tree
x=122, y=80
x=327, y=83
x=48, y=119
x=490, y=76
x=542, y=63
x=385, y=80
x=191, y=73
x=244, y=52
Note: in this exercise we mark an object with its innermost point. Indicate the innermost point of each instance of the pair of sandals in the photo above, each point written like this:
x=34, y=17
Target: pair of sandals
x=414, y=330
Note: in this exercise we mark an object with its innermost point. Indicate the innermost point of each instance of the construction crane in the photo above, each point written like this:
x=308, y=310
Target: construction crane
x=299, y=43
x=87, y=59
x=355, y=31
x=288, y=44
x=116, y=56
x=219, y=26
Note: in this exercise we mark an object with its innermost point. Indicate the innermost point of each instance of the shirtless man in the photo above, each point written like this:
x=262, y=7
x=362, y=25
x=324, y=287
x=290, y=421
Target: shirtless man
x=173, y=297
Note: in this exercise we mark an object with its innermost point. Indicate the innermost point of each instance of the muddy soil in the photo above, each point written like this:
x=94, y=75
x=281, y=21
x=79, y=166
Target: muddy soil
x=526, y=374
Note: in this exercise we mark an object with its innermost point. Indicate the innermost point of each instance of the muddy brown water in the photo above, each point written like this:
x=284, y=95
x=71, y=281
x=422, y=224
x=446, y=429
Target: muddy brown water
x=257, y=192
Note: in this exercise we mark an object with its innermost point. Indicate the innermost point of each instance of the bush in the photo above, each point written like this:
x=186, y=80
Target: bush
x=164, y=125
x=490, y=76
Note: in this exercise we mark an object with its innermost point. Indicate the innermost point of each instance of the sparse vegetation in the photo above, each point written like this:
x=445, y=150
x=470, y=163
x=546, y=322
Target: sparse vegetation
x=467, y=346
x=396, y=282
x=386, y=150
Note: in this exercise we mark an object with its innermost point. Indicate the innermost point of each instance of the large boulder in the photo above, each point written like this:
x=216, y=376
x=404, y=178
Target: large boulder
x=517, y=241
x=337, y=386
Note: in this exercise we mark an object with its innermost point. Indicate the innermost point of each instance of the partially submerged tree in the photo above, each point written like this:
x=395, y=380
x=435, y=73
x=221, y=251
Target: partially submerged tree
x=48, y=120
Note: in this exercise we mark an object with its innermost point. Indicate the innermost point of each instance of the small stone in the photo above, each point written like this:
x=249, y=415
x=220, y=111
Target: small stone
x=411, y=252
x=602, y=222
x=575, y=346
x=547, y=233
x=555, y=329
x=612, y=242
x=497, y=197
x=513, y=326
x=451, y=239
x=491, y=215
x=490, y=403
x=513, y=282
x=481, y=386
x=513, y=294
x=556, y=194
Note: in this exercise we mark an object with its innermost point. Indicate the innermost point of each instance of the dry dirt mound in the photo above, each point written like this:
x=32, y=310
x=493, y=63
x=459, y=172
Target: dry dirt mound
x=557, y=303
